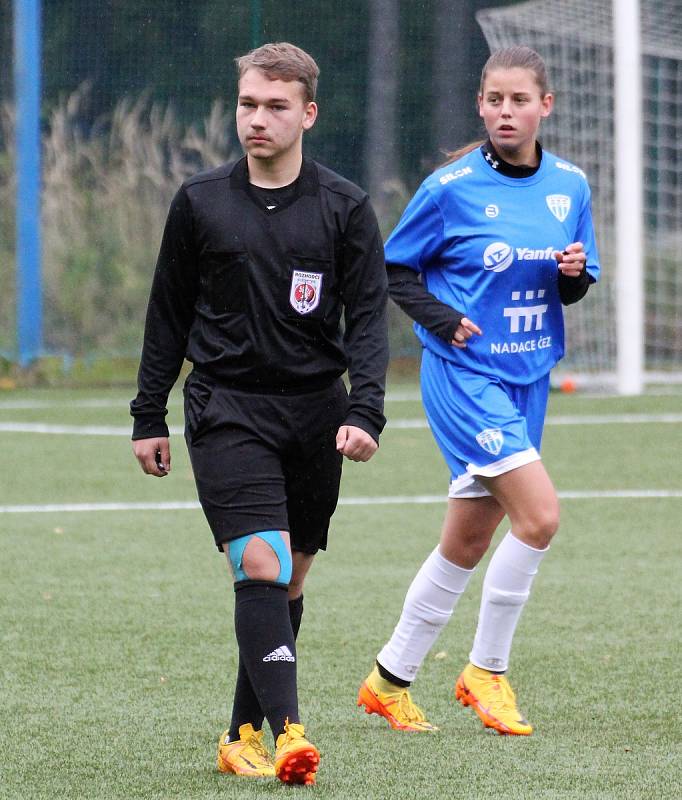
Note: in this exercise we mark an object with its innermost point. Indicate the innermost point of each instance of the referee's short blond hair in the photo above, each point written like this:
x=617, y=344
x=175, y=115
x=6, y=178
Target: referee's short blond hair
x=283, y=61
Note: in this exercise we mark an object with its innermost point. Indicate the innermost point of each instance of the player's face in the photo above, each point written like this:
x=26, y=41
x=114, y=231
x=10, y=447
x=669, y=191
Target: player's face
x=271, y=115
x=512, y=106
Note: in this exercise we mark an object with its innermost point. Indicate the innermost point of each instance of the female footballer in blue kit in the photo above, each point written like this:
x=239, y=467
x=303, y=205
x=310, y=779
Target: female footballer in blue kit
x=486, y=253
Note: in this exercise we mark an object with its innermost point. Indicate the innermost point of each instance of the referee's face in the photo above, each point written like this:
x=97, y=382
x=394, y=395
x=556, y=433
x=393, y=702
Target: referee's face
x=271, y=116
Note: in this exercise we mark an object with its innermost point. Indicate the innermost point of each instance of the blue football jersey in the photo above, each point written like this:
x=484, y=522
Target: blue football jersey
x=484, y=243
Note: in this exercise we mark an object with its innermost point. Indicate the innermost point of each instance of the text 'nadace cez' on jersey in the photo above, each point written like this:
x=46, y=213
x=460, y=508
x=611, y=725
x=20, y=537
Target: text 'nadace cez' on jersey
x=484, y=244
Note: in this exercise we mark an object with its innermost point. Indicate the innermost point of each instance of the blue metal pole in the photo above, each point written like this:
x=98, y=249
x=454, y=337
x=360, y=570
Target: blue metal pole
x=28, y=244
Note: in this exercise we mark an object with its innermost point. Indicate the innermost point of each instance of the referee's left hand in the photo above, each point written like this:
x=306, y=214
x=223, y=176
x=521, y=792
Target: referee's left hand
x=354, y=443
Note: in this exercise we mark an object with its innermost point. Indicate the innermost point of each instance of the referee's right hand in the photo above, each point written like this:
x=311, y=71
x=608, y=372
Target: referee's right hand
x=153, y=455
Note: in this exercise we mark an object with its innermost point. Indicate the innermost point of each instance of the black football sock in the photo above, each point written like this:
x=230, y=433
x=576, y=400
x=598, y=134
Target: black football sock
x=296, y=613
x=246, y=707
x=391, y=678
x=267, y=650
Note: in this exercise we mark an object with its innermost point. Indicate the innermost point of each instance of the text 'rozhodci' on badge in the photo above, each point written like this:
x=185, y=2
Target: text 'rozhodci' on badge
x=306, y=288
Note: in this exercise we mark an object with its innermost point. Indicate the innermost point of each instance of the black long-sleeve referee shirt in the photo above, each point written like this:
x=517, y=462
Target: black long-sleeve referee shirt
x=267, y=301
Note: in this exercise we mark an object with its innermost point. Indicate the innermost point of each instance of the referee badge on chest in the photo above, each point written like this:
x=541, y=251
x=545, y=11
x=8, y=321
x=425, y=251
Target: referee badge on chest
x=306, y=288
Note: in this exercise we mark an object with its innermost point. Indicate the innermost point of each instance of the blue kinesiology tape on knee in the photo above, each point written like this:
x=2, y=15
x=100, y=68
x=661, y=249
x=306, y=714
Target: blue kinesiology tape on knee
x=274, y=539
x=236, y=554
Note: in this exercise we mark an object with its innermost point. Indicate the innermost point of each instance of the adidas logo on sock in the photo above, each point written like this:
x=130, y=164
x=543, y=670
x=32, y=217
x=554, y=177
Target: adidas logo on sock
x=280, y=654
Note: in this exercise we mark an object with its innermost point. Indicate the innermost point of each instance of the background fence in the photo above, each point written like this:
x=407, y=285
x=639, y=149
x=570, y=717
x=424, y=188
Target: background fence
x=136, y=96
x=580, y=61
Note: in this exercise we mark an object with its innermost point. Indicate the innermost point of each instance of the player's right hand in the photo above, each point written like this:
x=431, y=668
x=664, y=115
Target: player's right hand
x=153, y=455
x=465, y=330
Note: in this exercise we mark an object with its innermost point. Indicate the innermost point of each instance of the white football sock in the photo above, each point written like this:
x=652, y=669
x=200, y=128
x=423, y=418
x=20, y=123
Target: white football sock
x=506, y=589
x=428, y=606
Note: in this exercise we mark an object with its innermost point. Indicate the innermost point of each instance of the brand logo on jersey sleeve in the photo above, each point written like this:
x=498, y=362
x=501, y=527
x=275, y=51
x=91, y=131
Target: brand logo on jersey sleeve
x=453, y=175
x=492, y=211
x=306, y=287
x=559, y=205
x=491, y=440
x=497, y=257
x=570, y=168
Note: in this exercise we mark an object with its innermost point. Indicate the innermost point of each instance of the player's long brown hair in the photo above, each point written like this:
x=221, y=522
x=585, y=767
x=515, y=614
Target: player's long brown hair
x=508, y=58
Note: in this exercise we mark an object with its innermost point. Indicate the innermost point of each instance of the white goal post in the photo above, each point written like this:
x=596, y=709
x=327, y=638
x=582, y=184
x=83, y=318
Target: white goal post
x=628, y=184
x=616, y=69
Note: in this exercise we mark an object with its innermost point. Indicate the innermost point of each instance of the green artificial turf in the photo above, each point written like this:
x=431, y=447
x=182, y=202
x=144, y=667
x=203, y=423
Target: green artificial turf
x=117, y=656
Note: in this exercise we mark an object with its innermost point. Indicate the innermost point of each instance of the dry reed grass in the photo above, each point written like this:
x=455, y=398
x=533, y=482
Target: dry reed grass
x=106, y=191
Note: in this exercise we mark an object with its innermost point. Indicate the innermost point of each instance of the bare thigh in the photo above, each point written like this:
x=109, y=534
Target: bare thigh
x=526, y=495
x=529, y=499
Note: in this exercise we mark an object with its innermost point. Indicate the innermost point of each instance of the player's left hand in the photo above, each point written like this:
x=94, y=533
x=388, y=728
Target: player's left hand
x=573, y=259
x=354, y=443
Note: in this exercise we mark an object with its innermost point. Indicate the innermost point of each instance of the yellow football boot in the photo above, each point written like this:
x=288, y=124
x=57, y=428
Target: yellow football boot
x=392, y=702
x=245, y=756
x=296, y=759
x=492, y=698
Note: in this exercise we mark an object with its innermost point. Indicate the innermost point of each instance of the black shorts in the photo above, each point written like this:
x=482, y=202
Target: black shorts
x=265, y=461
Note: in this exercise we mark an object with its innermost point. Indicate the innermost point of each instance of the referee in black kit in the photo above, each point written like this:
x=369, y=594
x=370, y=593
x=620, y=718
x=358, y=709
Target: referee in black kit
x=260, y=261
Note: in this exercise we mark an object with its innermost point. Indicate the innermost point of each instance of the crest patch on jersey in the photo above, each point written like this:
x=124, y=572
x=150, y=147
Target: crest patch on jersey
x=305, y=291
x=559, y=205
x=491, y=440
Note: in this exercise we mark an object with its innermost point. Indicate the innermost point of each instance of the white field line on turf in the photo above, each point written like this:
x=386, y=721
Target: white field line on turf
x=565, y=419
x=396, y=424
x=398, y=396
x=406, y=396
x=423, y=499
x=27, y=405
x=71, y=430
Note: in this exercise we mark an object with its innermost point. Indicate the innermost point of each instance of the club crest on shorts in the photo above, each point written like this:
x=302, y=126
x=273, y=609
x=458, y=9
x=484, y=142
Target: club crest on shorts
x=559, y=205
x=306, y=288
x=491, y=440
